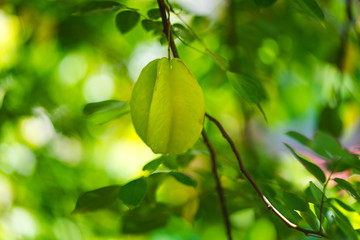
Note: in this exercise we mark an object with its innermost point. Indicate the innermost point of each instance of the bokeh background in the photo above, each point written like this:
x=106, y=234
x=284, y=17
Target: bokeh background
x=54, y=62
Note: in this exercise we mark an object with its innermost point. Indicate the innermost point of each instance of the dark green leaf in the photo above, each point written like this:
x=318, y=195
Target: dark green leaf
x=264, y=3
x=343, y=184
x=312, y=8
x=144, y=219
x=133, y=192
x=153, y=165
x=294, y=202
x=126, y=20
x=311, y=167
x=98, y=7
x=299, y=137
x=333, y=127
x=96, y=199
x=183, y=178
x=102, y=112
x=154, y=13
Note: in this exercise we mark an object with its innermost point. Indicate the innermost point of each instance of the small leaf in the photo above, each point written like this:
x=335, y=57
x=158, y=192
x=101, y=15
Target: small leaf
x=182, y=32
x=98, y=7
x=133, y=192
x=343, y=184
x=154, y=13
x=264, y=3
x=126, y=20
x=299, y=137
x=183, y=178
x=150, y=25
x=96, y=199
x=312, y=8
x=311, y=167
x=102, y=112
x=153, y=165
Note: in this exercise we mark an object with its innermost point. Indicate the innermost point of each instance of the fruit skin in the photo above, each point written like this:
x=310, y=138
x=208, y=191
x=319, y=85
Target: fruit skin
x=167, y=106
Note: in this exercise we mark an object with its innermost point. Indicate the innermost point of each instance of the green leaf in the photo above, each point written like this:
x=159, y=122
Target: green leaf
x=311, y=167
x=343, y=184
x=264, y=3
x=182, y=32
x=126, y=20
x=310, y=219
x=299, y=137
x=144, y=219
x=96, y=199
x=344, y=224
x=102, y=112
x=294, y=202
x=133, y=192
x=312, y=8
x=154, y=13
x=183, y=178
x=248, y=87
x=154, y=164
x=333, y=127
x=342, y=204
x=150, y=25
x=98, y=7
x=316, y=193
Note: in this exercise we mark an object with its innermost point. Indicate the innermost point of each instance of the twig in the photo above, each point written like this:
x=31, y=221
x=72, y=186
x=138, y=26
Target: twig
x=218, y=184
x=166, y=25
x=256, y=187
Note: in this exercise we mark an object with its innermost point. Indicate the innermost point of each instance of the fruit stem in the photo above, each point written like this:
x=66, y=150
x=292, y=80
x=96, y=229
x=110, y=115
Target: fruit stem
x=166, y=28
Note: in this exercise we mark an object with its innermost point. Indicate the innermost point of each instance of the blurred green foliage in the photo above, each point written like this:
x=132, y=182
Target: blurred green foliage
x=60, y=149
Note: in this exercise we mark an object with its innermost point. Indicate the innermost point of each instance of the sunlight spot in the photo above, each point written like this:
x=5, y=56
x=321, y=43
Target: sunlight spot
x=9, y=29
x=201, y=7
x=66, y=149
x=6, y=193
x=142, y=55
x=21, y=223
x=72, y=69
x=126, y=158
x=37, y=130
x=17, y=158
x=98, y=87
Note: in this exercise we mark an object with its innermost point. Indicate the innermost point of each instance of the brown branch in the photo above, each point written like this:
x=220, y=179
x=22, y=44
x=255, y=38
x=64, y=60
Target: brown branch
x=218, y=184
x=166, y=26
x=256, y=187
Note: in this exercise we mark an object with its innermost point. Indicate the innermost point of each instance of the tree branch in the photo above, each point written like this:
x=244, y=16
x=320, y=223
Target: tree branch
x=323, y=197
x=166, y=26
x=218, y=184
x=256, y=187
